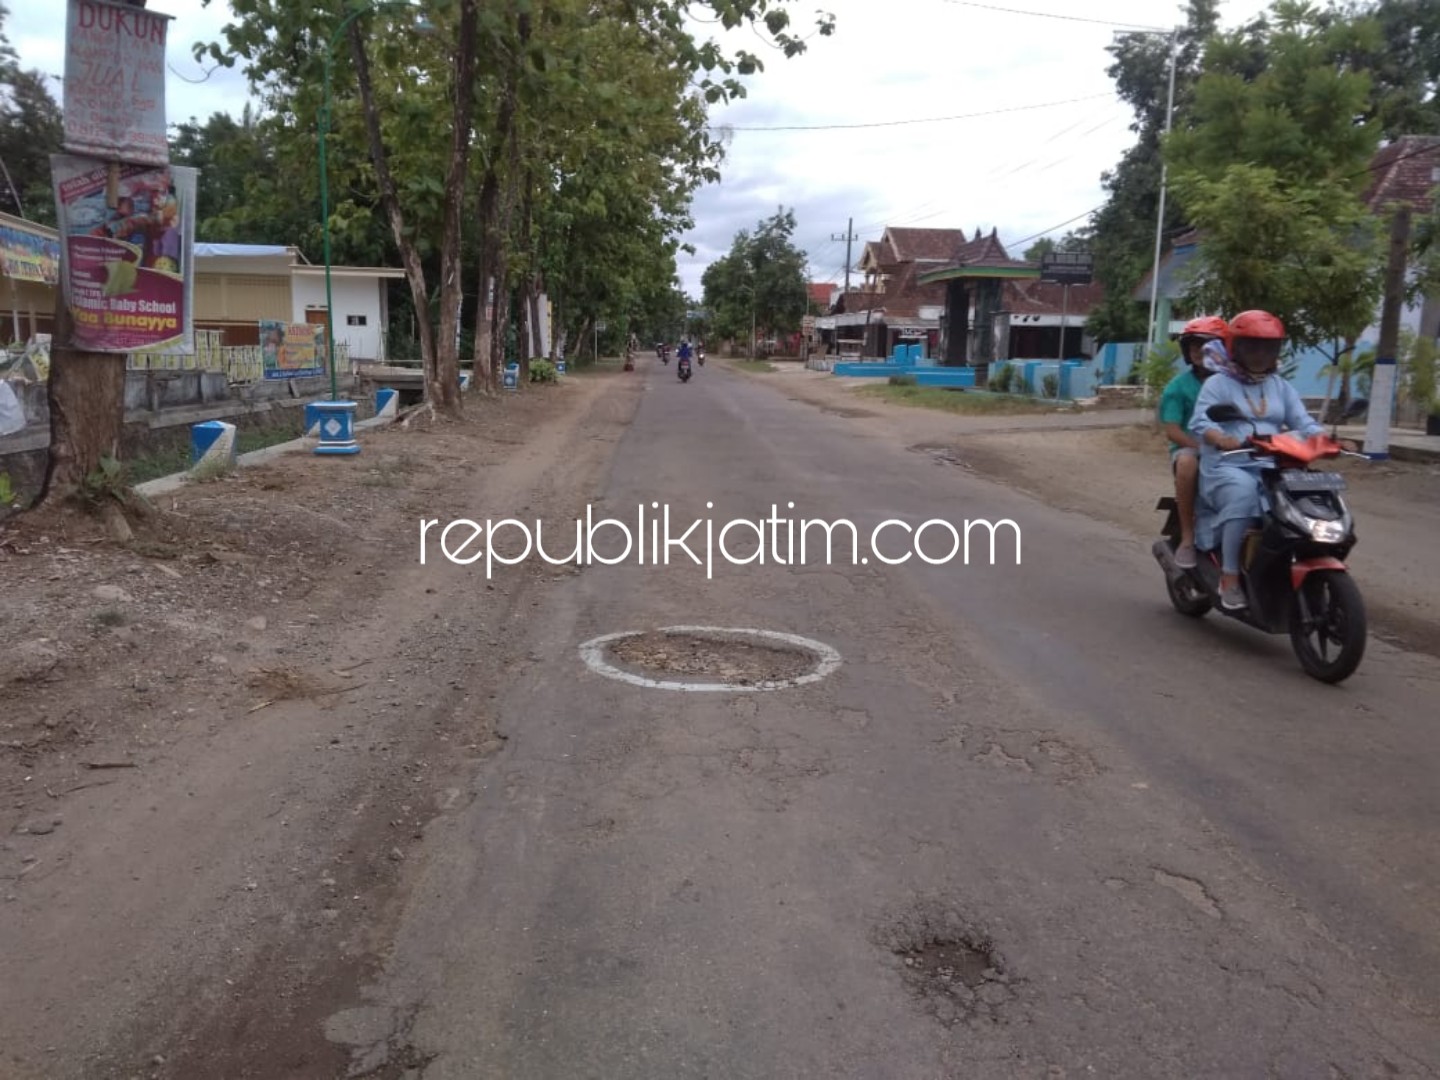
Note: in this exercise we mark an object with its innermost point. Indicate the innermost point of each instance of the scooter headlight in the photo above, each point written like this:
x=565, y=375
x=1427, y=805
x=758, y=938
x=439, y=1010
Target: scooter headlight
x=1326, y=532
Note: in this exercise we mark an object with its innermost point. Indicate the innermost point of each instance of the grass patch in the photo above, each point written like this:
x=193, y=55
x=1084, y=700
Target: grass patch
x=175, y=457
x=761, y=366
x=957, y=401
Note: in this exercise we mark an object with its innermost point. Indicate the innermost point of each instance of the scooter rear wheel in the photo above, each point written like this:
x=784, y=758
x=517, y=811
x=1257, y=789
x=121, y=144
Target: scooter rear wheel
x=1327, y=625
x=1187, y=597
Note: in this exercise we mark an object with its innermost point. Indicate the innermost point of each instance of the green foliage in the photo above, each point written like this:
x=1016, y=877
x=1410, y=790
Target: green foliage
x=110, y=482
x=1002, y=377
x=8, y=495
x=760, y=282
x=30, y=131
x=903, y=380
x=543, y=371
x=1159, y=366
x=1270, y=167
x=1050, y=385
x=1419, y=378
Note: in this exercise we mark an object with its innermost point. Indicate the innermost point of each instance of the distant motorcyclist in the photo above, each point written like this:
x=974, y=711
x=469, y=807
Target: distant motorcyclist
x=685, y=352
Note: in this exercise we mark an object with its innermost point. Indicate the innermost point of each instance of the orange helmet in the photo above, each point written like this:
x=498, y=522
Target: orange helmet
x=1255, y=324
x=1209, y=326
x=1254, y=340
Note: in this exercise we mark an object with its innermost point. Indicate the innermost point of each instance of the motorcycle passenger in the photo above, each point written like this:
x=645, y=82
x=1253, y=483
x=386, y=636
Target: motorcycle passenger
x=1247, y=378
x=1177, y=405
x=684, y=352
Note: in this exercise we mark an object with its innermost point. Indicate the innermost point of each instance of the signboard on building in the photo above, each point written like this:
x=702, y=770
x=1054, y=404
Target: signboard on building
x=29, y=256
x=127, y=237
x=114, y=88
x=292, y=350
x=807, y=324
x=1068, y=267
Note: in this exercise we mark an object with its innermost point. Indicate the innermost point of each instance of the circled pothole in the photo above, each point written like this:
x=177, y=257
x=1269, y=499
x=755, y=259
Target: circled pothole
x=714, y=659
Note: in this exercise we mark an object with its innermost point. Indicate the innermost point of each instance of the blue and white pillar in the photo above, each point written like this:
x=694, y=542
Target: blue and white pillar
x=337, y=428
x=387, y=403
x=212, y=443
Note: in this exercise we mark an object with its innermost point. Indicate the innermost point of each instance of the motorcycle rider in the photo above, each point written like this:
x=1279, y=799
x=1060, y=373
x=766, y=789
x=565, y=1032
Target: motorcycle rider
x=1229, y=492
x=685, y=351
x=1177, y=405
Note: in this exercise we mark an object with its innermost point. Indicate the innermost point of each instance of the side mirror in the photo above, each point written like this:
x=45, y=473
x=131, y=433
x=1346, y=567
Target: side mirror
x=1224, y=414
x=1356, y=407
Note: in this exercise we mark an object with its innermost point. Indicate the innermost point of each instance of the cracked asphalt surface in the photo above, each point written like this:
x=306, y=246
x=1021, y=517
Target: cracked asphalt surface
x=1186, y=858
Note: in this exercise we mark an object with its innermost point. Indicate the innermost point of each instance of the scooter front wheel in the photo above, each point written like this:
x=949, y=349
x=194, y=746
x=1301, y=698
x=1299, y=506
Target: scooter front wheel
x=1327, y=625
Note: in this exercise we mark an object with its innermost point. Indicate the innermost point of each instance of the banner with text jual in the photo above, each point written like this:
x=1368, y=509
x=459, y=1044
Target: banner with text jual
x=114, y=85
x=127, y=237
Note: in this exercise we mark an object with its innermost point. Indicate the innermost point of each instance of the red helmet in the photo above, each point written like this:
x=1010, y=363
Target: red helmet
x=1255, y=324
x=1210, y=326
x=1254, y=341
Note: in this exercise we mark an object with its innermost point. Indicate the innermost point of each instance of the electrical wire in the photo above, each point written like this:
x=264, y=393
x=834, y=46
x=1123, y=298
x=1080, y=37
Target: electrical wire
x=1053, y=15
x=916, y=120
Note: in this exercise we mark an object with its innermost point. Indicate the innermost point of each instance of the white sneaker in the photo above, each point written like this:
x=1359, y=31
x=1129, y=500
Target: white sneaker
x=1232, y=598
x=1186, y=557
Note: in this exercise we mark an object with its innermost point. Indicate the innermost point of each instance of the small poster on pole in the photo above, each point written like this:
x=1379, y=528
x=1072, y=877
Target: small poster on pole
x=127, y=237
x=114, y=89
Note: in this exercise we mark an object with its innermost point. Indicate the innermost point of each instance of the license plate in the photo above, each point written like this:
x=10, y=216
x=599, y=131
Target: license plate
x=1305, y=480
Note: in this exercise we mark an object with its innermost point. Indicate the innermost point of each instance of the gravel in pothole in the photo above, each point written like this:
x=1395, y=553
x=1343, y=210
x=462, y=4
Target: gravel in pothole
x=953, y=969
x=729, y=660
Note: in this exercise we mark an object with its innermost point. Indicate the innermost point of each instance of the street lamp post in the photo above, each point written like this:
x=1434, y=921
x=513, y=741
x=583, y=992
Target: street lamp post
x=337, y=420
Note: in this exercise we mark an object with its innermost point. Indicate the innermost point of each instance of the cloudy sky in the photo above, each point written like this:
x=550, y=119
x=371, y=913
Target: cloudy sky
x=1029, y=165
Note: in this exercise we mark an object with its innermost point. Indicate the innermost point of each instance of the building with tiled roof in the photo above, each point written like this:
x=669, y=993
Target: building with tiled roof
x=1407, y=171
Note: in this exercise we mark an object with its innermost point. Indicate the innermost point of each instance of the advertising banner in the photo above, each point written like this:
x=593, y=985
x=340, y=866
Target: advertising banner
x=127, y=238
x=29, y=256
x=114, y=88
x=292, y=350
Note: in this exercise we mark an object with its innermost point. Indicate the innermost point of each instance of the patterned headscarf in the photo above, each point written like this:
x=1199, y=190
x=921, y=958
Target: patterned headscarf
x=1217, y=358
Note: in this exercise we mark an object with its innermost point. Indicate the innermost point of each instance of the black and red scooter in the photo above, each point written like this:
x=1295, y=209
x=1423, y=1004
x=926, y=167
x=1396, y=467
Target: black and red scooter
x=1293, y=568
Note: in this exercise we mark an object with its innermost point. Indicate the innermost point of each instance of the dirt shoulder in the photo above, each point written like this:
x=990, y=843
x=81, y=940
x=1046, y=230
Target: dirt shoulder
x=218, y=744
x=1112, y=465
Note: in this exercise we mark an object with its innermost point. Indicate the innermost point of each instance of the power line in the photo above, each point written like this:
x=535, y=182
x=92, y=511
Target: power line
x=917, y=120
x=1052, y=228
x=1053, y=15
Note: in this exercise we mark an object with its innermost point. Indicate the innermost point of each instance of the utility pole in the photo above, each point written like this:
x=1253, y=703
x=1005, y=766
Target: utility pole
x=1382, y=382
x=1164, y=178
x=849, y=239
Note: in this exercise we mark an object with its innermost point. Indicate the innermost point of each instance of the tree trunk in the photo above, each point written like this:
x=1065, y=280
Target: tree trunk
x=86, y=393
x=389, y=197
x=442, y=383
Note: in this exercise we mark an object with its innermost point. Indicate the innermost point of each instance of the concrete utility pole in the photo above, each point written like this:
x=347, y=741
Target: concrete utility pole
x=1382, y=383
x=1164, y=180
x=849, y=239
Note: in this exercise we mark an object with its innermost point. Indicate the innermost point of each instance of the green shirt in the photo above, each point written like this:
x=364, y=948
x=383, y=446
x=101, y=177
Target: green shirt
x=1177, y=403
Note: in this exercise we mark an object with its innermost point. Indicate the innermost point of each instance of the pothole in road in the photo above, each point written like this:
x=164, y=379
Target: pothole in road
x=953, y=969
x=710, y=658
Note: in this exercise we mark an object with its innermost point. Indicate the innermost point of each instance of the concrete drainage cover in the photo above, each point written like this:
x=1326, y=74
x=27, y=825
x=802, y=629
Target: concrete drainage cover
x=713, y=659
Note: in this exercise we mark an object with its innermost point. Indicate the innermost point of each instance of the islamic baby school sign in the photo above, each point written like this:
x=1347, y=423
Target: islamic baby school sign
x=292, y=350
x=126, y=249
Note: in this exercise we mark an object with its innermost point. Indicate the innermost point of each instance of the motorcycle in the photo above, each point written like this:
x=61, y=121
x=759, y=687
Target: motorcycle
x=700, y=355
x=1292, y=571
x=682, y=368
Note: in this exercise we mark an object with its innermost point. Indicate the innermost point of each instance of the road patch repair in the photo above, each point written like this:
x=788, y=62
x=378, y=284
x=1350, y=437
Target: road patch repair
x=742, y=660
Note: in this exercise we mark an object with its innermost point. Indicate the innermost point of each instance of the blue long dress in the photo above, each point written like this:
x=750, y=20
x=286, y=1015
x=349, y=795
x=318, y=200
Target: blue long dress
x=1230, y=487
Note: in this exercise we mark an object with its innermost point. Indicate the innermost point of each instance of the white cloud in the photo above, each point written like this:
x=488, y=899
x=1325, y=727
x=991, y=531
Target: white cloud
x=1020, y=171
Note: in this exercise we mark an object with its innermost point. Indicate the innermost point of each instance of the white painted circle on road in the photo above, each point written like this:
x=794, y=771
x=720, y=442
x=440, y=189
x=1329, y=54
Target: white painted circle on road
x=827, y=660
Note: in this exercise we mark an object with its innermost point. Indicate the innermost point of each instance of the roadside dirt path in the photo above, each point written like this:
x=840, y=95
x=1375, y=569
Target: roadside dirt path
x=217, y=746
x=1112, y=466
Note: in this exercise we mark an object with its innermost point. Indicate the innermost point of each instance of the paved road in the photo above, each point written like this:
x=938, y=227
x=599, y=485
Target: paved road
x=1178, y=856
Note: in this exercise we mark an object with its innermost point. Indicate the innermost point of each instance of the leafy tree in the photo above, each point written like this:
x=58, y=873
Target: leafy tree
x=30, y=131
x=760, y=283
x=1122, y=233
x=1270, y=168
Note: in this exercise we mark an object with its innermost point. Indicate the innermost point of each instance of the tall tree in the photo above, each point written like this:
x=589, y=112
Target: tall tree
x=1270, y=167
x=30, y=131
x=1122, y=233
x=760, y=282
